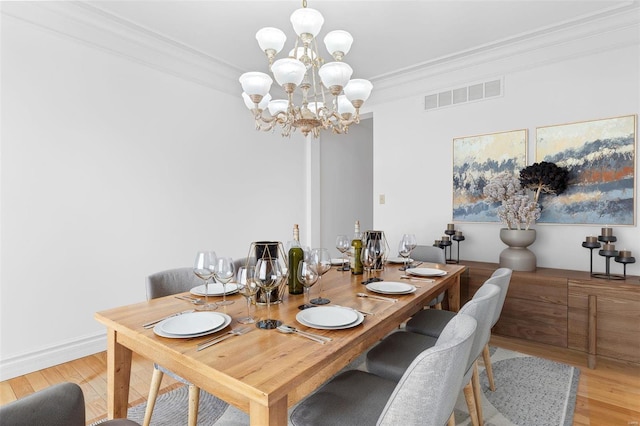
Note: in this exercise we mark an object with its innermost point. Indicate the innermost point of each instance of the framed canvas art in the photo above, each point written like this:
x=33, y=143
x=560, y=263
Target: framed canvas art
x=600, y=157
x=477, y=159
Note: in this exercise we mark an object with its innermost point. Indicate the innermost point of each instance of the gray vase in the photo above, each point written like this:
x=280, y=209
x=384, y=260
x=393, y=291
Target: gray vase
x=517, y=256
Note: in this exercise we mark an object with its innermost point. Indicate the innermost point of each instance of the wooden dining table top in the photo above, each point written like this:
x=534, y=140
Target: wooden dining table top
x=263, y=372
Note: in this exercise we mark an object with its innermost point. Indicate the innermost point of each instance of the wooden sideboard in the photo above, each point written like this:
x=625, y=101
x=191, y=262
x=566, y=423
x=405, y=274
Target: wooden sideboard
x=568, y=309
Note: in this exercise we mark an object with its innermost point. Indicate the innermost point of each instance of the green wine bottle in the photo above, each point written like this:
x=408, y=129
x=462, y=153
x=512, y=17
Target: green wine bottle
x=295, y=256
x=356, y=248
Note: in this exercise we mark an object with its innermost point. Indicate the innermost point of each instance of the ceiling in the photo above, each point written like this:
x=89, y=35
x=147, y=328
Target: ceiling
x=389, y=36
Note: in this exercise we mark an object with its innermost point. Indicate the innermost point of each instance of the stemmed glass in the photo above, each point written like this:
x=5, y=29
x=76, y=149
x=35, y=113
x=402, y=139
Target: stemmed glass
x=321, y=263
x=204, y=268
x=223, y=272
x=269, y=274
x=367, y=257
x=308, y=277
x=405, y=247
x=343, y=244
x=248, y=288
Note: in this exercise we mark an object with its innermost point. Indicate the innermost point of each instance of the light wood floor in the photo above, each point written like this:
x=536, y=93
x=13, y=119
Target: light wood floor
x=608, y=395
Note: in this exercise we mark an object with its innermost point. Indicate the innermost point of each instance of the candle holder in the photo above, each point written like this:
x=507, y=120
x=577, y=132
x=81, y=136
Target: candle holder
x=591, y=245
x=443, y=245
x=607, y=251
x=457, y=239
x=624, y=260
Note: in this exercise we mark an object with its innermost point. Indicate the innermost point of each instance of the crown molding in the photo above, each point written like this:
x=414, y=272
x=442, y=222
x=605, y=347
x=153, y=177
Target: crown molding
x=89, y=25
x=615, y=27
x=609, y=30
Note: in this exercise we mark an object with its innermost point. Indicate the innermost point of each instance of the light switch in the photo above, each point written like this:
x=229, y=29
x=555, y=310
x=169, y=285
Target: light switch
x=382, y=200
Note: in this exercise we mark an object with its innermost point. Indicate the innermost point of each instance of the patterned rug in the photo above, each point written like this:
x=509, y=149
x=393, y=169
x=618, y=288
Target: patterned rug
x=529, y=391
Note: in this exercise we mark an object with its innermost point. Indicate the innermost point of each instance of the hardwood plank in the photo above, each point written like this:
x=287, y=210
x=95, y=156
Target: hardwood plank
x=6, y=393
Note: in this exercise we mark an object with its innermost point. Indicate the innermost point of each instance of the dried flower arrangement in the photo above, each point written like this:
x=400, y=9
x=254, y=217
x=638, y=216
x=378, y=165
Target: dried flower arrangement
x=517, y=210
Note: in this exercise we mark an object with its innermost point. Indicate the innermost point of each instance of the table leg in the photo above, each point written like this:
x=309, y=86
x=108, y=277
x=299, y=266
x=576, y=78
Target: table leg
x=453, y=294
x=118, y=375
x=273, y=415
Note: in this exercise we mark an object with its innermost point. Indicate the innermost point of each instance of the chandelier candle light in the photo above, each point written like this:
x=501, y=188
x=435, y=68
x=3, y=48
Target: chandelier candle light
x=304, y=70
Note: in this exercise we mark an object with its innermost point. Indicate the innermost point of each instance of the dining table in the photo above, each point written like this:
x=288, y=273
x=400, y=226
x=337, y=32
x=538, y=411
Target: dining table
x=264, y=372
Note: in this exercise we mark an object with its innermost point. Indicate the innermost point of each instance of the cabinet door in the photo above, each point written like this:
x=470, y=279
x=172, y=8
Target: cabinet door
x=616, y=316
x=535, y=308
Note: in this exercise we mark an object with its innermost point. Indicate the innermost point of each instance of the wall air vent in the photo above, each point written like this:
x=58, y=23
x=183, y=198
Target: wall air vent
x=460, y=95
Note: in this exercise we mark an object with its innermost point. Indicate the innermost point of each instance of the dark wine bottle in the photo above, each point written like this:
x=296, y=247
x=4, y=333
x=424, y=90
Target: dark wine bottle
x=296, y=254
x=356, y=250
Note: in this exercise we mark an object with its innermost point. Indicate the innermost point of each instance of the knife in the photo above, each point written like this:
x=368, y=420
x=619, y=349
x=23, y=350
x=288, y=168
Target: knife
x=150, y=324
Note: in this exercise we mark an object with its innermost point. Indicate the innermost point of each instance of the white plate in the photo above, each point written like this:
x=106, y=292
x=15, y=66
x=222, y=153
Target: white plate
x=358, y=321
x=191, y=323
x=338, y=261
x=426, y=272
x=390, y=287
x=328, y=316
x=215, y=289
x=399, y=260
x=227, y=320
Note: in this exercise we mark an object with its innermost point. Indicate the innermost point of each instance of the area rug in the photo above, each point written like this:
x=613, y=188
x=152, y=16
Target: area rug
x=529, y=391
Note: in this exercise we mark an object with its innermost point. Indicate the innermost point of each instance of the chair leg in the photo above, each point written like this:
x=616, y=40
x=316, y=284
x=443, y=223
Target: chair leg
x=477, y=392
x=452, y=420
x=156, y=379
x=194, y=401
x=471, y=403
x=487, y=365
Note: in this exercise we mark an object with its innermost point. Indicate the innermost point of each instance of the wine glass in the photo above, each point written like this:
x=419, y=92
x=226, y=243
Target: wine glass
x=248, y=288
x=224, y=272
x=308, y=277
x=405, y=247
x=376, y=249
x=343, y=244
x=269, y=274
x=204, y=268
x=321, y=263
x=367, y=257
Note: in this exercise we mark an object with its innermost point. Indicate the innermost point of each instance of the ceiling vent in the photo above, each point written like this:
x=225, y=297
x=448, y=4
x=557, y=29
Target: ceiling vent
x=460, y=95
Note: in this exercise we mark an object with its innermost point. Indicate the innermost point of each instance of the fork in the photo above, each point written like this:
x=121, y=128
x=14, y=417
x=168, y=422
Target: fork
x=225, y=336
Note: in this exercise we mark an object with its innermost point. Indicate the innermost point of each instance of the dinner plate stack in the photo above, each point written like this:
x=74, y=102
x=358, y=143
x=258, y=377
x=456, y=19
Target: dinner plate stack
x=194, y=324
x=390, y=287
x=330, y=317
x=214, y=289
x=426, y=272
x=399, y=260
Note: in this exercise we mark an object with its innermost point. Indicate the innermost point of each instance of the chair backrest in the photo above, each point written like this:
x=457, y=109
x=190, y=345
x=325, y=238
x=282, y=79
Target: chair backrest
x=427, y=391
x=171, y=281
x=61, y=404
x=482, y=308
x=428, y=254
x=501, y=277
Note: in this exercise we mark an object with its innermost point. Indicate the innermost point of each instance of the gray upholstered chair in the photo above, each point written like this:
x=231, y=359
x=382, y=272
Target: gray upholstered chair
x=57, y=405
x=391, y=357
x=431, y=323
x=430, y=254
x=424, y=395
x=162, y=284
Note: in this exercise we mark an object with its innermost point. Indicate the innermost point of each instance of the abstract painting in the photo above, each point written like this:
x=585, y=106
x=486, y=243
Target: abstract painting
x=477, y=159
x=600, y=157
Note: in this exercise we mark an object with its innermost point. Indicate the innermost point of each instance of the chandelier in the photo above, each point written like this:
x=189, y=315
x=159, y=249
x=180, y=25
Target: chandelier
x=305, y=76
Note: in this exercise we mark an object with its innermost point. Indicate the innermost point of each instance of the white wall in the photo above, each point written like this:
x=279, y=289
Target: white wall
x=112, y=170
x=591, y=78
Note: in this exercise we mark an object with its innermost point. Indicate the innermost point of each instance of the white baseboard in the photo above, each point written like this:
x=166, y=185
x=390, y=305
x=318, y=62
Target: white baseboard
x=54, y=355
